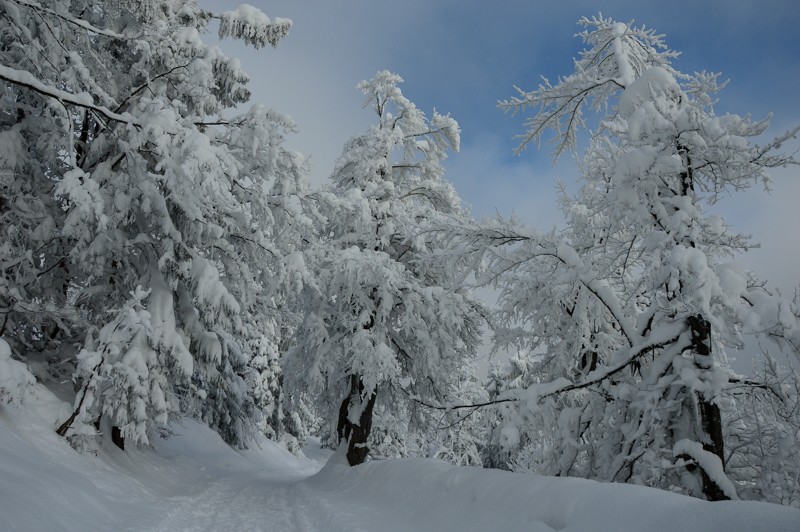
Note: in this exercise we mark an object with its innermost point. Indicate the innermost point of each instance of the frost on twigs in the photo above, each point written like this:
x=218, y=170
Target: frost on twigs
x=616, y=54
x=253, y=26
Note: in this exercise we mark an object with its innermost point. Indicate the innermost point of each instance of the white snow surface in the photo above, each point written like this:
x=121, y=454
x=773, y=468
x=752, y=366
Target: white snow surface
x=193, y=481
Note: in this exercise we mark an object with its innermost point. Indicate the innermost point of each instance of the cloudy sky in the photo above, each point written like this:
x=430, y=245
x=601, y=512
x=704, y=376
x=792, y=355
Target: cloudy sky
x=462, y=56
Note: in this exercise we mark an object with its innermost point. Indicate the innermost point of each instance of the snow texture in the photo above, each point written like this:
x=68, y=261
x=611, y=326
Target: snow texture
x=253, y=26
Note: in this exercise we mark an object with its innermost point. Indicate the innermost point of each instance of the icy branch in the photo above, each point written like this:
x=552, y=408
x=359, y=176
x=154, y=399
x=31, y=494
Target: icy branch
x=670, y=337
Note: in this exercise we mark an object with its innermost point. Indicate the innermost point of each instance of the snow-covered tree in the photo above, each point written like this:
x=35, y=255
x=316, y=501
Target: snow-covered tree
x=627, y=313
x=382, y=326
x=146, y=220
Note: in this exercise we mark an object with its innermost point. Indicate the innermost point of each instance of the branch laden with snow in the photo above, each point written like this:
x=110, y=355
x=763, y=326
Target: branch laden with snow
x=252, y=26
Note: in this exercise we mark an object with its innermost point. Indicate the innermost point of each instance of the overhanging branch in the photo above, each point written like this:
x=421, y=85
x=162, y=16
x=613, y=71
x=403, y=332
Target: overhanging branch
x=25, y=79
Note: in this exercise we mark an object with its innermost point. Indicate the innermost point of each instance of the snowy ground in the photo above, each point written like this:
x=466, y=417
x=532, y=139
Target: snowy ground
x=193, y=481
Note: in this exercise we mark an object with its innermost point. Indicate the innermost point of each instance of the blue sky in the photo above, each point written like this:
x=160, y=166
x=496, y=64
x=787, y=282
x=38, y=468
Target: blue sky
x=462, y=56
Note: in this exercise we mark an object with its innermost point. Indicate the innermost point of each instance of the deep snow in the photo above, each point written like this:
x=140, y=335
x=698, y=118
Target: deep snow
x=193, y=481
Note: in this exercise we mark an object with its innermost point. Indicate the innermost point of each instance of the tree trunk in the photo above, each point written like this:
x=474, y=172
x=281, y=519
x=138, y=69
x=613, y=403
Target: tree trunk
x=356, y=434
x=710, y=416
x=64, y=427
x=117, y=437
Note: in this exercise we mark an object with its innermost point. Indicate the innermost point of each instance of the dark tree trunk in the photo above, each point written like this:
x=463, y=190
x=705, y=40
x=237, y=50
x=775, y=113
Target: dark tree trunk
x=116, y=433
x=356, y=434
x=117, y=437
x=710, y=416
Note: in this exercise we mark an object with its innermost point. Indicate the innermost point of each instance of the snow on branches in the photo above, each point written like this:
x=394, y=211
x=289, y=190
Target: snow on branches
x=252, y=26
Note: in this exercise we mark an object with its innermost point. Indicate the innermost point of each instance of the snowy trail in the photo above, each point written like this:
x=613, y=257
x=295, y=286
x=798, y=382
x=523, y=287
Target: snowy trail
x=232, y=504
x=263, y=488
x=191, y=481
x=260, y=489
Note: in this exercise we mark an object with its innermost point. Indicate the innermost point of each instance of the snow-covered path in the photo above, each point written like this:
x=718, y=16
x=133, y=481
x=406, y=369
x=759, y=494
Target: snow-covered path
x=259, y=489
x=232, y=504
x=262, y=489
x=193, y=481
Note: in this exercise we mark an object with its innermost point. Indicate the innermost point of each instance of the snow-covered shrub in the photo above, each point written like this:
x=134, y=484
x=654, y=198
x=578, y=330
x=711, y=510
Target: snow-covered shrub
x=15, y=379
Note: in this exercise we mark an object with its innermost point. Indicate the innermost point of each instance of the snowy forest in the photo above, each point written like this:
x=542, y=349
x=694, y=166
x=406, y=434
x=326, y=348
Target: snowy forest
x=166, y=260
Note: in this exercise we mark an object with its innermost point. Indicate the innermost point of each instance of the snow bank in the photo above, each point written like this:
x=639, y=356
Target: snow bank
x=46, y=485
x=15, y=379
x=417, y=494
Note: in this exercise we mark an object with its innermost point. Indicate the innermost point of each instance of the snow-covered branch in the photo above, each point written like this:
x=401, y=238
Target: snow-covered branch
x=252, y=26
x=83, y=100
x=709, y=462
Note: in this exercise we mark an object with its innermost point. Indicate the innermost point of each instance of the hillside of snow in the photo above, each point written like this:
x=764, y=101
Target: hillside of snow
x=194, y=481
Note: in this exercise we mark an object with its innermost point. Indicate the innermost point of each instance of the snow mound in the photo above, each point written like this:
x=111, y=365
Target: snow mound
x=180, y=484
x=421, y=494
